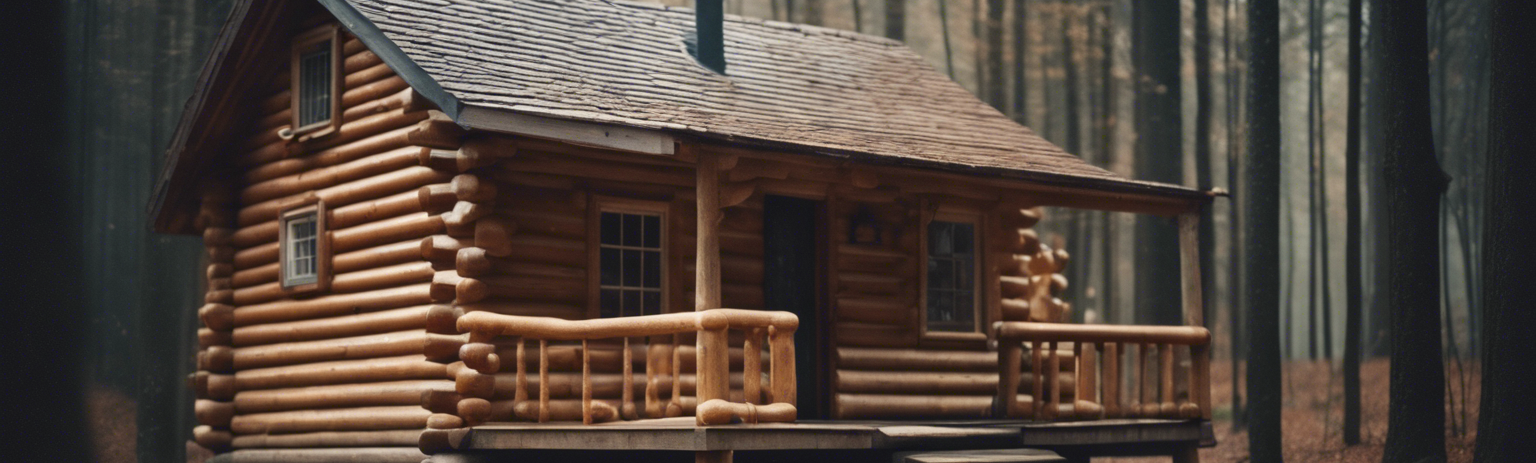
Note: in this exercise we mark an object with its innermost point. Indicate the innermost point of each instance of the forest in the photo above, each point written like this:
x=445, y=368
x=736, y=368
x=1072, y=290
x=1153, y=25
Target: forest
x=1368, y=269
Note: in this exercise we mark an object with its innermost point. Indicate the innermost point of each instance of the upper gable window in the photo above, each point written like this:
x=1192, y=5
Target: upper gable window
x=304, y=255
x=316, y=82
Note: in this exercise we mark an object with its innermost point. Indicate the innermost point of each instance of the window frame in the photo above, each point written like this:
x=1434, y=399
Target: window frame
x=980, y=300
x=332, y=33
x=322, y=248
x=598, y=204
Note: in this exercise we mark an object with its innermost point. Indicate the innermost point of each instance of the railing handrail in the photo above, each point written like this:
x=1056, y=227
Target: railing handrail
x=1128, y=334
x=555, y=329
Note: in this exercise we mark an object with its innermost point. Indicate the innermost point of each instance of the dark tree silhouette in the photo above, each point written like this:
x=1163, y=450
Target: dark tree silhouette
x=1204, y=172
x=1020, y=53
x=896, y=19
x=1509, y=255
x=1159, y=155
x=1413, y=184
x=996, y=94
x=1262, y=235
x=1352, y=252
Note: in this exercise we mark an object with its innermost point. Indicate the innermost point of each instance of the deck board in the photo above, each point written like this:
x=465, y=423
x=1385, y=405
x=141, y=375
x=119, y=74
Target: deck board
x=680, y=434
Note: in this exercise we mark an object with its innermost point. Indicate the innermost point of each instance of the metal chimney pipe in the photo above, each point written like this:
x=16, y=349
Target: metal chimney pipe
x=709, y=30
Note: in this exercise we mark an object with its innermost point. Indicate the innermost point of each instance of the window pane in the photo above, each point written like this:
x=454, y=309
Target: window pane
x=610, y=266
x=632, y=265
x=652, y=302
x=965, y=274
x=631, y=303
x=939, y=238
x=610, y=228
x=652, y=231
x=652, y=269
x=941, y=273
x=610, y=305
x=963, y=235
x=314, y=84
x=964, y=306
x=940, y=306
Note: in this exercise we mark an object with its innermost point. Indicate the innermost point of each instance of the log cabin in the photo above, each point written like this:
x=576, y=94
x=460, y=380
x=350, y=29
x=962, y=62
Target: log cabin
x=468, y=228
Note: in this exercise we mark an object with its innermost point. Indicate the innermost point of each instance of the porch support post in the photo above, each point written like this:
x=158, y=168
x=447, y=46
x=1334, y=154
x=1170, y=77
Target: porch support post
x=1194, y=310
x=713, y=360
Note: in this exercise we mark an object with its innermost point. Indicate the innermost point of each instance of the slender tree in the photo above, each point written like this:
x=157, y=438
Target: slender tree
x=1262, y=231
x=1159, y=154
x=1313, y=171
x=949, y=52
x=1413, y=184
x=996, y=92
x=1353, y=284
x=1234, y=180
x=1321, y=19
x=896, y=19
x=1020, y=53
x=1204, y=171
x=1509, y=254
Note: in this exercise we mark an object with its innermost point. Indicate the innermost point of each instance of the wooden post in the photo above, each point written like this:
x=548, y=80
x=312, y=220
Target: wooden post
x=1112, y=380
x=1166, y=408
x=1037, y=397
x=586, y=383
x=627, y=406
x=1194, y=311
x=543, y=381
x=1085, y=377
x=1009, y=356
x=713, y=363
x=752, y=367
x=1052, y=377
x=676, y=403
x=522, y=374
x=781, y=349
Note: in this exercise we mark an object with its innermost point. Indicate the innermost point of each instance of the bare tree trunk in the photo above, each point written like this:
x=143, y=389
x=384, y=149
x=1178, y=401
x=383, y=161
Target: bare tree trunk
x=858, y=16
x=1509, y=254
x=896, y=19
x=1322, y=188
x=1262, y=234
x=1413, y=183
x=1313, y=171
x=1234, y=179
x=995, y=91
x=1353, y=283
x=1020, y=54
x=949, y=52
x=1159, y=155
x=1204, y=171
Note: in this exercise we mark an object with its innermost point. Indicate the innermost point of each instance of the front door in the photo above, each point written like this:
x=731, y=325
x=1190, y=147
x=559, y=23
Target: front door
x=793, y=282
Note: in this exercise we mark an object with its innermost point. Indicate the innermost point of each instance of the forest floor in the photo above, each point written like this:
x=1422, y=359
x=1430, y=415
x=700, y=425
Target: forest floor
x=1313, y=412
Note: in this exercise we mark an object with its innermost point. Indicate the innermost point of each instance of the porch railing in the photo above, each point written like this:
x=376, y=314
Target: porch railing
x=1152, y=395
x=712, y=378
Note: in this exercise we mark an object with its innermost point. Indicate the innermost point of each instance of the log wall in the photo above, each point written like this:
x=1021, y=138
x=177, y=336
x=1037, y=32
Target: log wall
x=347, y=365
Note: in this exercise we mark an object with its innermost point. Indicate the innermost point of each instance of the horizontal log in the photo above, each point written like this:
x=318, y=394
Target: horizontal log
x=329, y=440
x=545, y=223
x=339, y=372
x=559, y=410
x=351, y=282
x=428, y=133
x=1132, y=334
x=328, y=176
x=334, y=327
x=917, y=360
x=561, y=311
x=323, y=455
x=936, y=383
x=213, y=413
x=873, y=283
x=475, y=262
x=563, y=165
x=523, y=288
x=877, y=310
x=333, y=305
x=346, y=419
x=547, y=250
x=207, y=338
x=342, y=395
x=210, y=438
x=437, y=347
x=873, y=335
x=378, y=256
x=356, y=191
x=406, y=227
x=348, y=132
x=884, y=406
x=567, y=385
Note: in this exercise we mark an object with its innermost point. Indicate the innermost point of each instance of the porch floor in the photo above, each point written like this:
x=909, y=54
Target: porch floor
x=680, y=434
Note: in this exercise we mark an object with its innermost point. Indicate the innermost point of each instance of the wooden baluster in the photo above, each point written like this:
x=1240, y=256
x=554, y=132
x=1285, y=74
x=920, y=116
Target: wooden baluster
x=752, y=366
x=1037, y=397
x=652, y=396
x=521, y=395
x=1111, y=380
x=543, y=381
x=781, y=354
x=675, y=408
x=1053, y=378
x=1200, y=380
x=1086, y=370
x=1144, y=383
x=1009, y=357
x=1167, y=409
x=627, y=409
x=586, y=383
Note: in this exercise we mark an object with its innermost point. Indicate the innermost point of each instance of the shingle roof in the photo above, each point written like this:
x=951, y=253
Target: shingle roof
x=816, y=88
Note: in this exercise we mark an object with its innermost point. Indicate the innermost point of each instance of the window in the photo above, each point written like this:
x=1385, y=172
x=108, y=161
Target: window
x=630, y=261
x=304, y=254
x=951, y=290
x=316, y=82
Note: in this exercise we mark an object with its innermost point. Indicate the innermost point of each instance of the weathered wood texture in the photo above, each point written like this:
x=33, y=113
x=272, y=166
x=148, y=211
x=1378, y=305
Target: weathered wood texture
x=347, y=365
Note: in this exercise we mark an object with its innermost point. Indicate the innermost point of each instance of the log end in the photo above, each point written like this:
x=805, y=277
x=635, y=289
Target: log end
x=437, y=401
x=443, y=319
x=472, y=262
x=474, y=410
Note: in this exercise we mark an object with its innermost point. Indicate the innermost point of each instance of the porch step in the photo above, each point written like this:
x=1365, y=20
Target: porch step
x=979, y=456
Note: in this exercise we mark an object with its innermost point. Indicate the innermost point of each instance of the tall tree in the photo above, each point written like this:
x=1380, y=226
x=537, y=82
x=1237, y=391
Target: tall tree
x=996, y=93
x=949, y=52
x=1020, y=53
x=1204, y=170
x=1159, y=154
x=896, y=19
x=1313, y=171
x=1509, y=255
x=1413, y=184
x=1353, y=284
x=1262, y=234
x=1234, y=181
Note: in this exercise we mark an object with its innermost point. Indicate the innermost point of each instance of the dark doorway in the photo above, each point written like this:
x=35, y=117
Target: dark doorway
x=792, y=282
